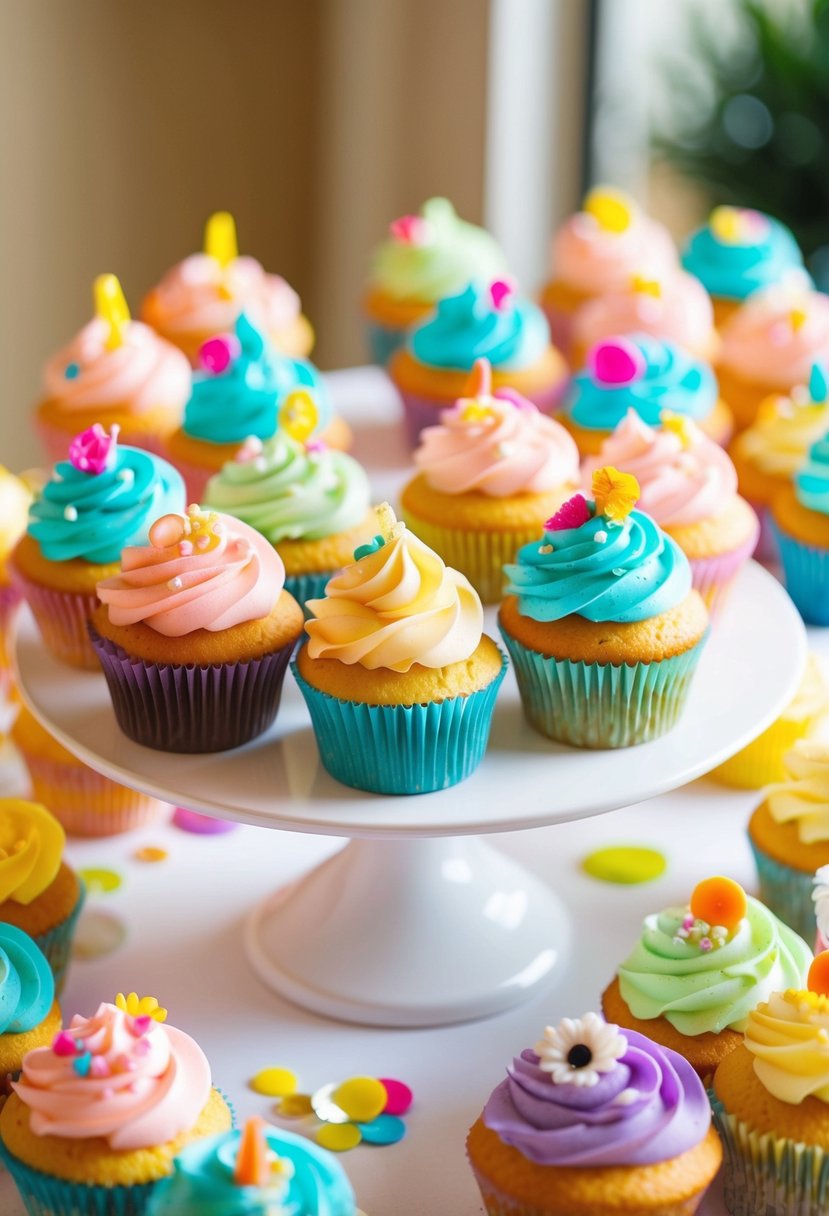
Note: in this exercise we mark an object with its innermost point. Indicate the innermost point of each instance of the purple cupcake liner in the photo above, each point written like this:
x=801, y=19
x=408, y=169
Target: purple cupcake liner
x=176, y=708
x=420, y=412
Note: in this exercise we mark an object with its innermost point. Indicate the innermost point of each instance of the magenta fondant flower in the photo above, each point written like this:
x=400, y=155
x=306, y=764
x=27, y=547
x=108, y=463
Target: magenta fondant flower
x=93, y=451
x=571, y=514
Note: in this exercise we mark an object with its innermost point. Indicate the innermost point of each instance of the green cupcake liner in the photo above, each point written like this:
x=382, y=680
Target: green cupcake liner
x=786, y=892
x=401, y=749
x=304, y=587
x=806, y=573
x=601, y=705
x=767, y=1175
x=57, y=943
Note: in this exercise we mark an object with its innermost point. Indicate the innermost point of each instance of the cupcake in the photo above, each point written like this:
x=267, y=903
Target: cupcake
x=675, y=308
x=260, y=1171
x=488, y=473
x=29, y=1012
x=688, y=486
x=15, y=500
x=103, y=498
x=39, y=893
x=595, y=1121
x=202, y=297
x=770, y=345
x=485, y=320
x=601, y=623
x=649, y=376
x=598, y=250
x=770, y=1105
x=761, y=762
x=115, y=371
x=195, y=634
x=739, y=252
x=698, y=970
x=311, y=502
x=98, y=1117
x=789, y=835
x=424, y=258
x=85, y=802
x=820, y=897
x=242, y=391
x=800, y=523
x=398, y=677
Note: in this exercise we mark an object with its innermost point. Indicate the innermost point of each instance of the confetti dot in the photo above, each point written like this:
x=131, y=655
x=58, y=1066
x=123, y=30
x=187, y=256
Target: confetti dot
x=201, y=825
x=274, y=1082
x=98, y=935
x=101, y=882
x=625, y=864
x=325, y=1108
x=338, y=1137
x=72, y=371
x=398, y=1096
x=362, y=1098
x=385, y=1129
x=295, y=1106
x=151, y=854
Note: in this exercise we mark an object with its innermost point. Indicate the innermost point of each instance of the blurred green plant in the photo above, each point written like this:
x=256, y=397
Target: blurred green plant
x=749, y=115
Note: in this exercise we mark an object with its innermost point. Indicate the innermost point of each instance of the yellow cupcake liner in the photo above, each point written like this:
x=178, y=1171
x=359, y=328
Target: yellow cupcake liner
x=761, y=762
x=481, y=556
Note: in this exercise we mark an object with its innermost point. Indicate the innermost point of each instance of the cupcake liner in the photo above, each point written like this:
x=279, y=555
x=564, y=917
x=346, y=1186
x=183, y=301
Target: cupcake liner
x=86, y=803
x=806, y=573
x=177, y=708
x=62, y=618
x=401, y=749
x=420, y=412
x=767, y=1175
x=602, y=705
x=479, y=555
x=45, y=1195
x=57, y=943
x=713, y=577
x=384, y=340
x=761, y=762
x=304, y=587
x=10, y=599
x=787, y=892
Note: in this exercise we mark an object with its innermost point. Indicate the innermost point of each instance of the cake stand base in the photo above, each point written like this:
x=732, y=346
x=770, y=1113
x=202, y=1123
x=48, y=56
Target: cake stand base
x=417, y=932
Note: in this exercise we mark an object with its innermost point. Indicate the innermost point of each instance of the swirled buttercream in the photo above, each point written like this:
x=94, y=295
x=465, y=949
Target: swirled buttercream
x=776, y=336
x=27, y=986
x=803, y=799
x=593, y=257
x=788, y=1035
x=512, y=333
x=31, y=847
x=681, y=312
x=779, y=439
x=739, y=251
x=811, y=483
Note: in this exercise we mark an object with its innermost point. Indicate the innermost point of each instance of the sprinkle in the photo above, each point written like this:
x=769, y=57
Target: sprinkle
x=141, y=1024
x=70, y=514
x=618, y=572
x=706, y=944
x=688, y=922
x=81, y=1065
x=274, y=1082
x=600, y=537
x=615, y=362
x=185, y=548
x=371, y=546
x=501, y=292
x=72, y=371
x=63, y=1044
x=122, y=1063
x=99, y=1067
x=174, y=584
x=143, y=1047
x=682, y=934
x=126, y=475
x=504, y=450
x=719, y=932
x=625, y=1097
x=261, y=464
x=362, y=1098
x=151, y=853
x=385, y=1129
x=250, y=449
x=545, y=549
x=217, y=354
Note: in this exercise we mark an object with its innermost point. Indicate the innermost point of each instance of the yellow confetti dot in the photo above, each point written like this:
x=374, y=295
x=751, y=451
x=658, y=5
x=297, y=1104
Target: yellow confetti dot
x=100, y=881
x=151, y=854
x=625, y=864
x=295, y=1106
x=362, y=1098
x=338, y=1137
x=274, y=1082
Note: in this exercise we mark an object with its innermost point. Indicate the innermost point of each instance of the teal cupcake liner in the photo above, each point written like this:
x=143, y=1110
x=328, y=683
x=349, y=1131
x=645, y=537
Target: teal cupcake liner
x=806, y=574
x=601, y=705
x=766, y=1175
x=786, y=892
x=57, y=943
x=45, y=1195
x=401, y=749
x=304, y=587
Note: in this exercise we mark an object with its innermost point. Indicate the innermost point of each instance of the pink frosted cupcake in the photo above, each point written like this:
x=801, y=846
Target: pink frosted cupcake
x=203, y=296
x=598, y=250
x=673, y=306
x=114, y=371
x=689, y=486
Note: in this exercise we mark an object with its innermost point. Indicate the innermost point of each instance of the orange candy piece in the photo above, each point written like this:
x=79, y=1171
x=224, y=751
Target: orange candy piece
x=719, y=901
x=818, y=980
x=252, y=1168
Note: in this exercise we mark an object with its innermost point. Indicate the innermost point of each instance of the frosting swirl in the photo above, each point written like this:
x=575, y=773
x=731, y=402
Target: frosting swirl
x=681, y=313
x=396, y=606
x=198, y=572
x=811, y=483
x=469, y=326
x=31, y=847
x=141, y=1084
x=779, y=439
x=288, y=492
x=750, y=251
x=788, y=1035
x=594, y=257
x=27, y=986
x=803, y=800
x=699, y=992
x=776, y=336
x=650, y=1107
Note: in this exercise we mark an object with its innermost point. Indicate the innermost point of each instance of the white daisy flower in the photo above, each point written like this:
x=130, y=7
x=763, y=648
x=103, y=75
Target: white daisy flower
x=577, y=1050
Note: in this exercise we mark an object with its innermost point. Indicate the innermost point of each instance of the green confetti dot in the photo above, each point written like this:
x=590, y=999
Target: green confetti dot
x=625, y=864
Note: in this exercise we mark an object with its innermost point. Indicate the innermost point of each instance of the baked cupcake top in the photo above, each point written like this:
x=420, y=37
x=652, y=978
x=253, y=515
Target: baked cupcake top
x=290, y=490
x=610, y=239
x=115, y=365
x=788, y=1035
x=200, y=571
x=206, y=292
x=128, y=1079
x=260, y=1171
x=674, y=307
x=600, y=559
x=811, y=482
x=398, y=605
x=739, y=251
x=590, y=1095
x=15, y=500
x=242, y=385
x=705, y=966
x=31, y=848
x=776, y=335
x=683, y=475
x=27, y=986
x=485, y=320
x=496, y=444
x=803, y=798
x=786, y=426
x=433, y=254
x=102, y=498
x=641, y=373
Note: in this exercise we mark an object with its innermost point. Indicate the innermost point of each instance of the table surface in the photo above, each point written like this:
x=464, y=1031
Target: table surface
x=183, y=919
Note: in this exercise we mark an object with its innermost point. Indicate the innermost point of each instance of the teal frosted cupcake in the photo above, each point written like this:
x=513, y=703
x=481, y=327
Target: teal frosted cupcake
x=29, y=1012
x=800, y=521
x=260, y=1171
x=601, y=623
x=398, y=677
x=311, y=502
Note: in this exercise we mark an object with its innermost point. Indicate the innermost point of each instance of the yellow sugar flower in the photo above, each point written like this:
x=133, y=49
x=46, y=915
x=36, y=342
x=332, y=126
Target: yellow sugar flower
x=141, y=1006
x=644, y=286
x=678, y=425
x=615, y=493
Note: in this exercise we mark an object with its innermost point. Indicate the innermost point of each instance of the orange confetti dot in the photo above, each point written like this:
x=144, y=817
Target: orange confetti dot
x=719, y=901
x=818, y=980
x=151, y=853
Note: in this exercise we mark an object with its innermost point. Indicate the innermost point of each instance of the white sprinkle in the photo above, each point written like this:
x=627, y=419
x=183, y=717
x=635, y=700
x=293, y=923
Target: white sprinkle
x=600, y=537
x=504, y=450
x=625, y=1098
x=682, y=934
x=175, y=584
x=545, y=549
x=126, y=475
x=70, y=513
x=260, y=464
x=618, y=572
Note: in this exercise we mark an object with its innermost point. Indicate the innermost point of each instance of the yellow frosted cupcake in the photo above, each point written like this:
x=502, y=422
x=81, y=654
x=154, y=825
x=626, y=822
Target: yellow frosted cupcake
x=489, y=473
x=29, y=1012
x=98, y=1117
x=15, y=500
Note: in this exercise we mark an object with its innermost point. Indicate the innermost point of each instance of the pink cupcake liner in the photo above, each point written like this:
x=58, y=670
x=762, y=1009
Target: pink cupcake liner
x=420, y=412
x=62, y=617
x=713, y=576
x=55, y=441
x=86, y=803
x=10, y=600
x=766, y=551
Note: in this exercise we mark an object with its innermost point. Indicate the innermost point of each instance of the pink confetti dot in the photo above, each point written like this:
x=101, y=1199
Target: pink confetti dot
x=399, y=1098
